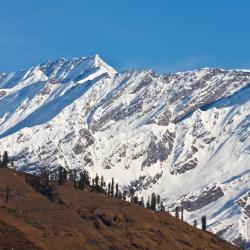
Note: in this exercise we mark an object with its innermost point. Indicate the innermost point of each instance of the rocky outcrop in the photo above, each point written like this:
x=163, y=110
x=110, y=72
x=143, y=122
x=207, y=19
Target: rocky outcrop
x=200, y=198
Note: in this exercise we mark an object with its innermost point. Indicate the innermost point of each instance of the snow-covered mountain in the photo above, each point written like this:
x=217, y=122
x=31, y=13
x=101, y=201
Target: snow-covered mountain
x=184, y=135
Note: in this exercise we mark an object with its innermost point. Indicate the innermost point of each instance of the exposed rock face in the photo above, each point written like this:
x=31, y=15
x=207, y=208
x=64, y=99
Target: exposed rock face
x=145, y=182
x=198, y=200
x=158, y=151
x=172, y=134
x=244, y=202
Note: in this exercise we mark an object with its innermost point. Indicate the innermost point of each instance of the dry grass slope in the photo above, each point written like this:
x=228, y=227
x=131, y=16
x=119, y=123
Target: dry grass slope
x=87, y=220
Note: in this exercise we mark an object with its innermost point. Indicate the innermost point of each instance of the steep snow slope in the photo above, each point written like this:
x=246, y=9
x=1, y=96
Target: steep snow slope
x=183, y=135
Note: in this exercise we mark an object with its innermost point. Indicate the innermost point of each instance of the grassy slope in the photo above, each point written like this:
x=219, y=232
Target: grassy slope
x=87, y=220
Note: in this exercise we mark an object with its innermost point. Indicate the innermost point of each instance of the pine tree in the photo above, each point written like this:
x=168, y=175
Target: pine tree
x=109, y=189
x=124, y=195
x=96, y=181
x=148, y=203
x=204, y=223
x=158, y=201
x=135, y=199
x=81, y=183
x=75, y=178
x=71, y=178
x=102, y=182
x=5, y=160
x=153, y=201
x=131, y=192
x=195, y=223
x=177, y=212
x=182, y=210
x=86, y=177
x=112, y=187
x=49, y=192
x=60, y=176
x=116, y=190
x=65, y=174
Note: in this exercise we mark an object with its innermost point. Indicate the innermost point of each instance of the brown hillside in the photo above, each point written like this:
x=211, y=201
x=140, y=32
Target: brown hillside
x=87, y=220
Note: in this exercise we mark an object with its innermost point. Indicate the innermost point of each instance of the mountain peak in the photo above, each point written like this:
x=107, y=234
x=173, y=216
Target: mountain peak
x=73, y=69
x=99, y=62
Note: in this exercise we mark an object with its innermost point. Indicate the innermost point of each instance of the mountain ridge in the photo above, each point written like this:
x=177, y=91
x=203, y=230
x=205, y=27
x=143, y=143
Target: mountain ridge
x=149, y=131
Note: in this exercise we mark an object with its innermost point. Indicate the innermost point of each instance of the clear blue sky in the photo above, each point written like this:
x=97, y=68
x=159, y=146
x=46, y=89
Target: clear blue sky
x=166, y=35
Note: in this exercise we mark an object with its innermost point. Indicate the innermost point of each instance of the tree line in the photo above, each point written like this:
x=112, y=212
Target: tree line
x=45, y=183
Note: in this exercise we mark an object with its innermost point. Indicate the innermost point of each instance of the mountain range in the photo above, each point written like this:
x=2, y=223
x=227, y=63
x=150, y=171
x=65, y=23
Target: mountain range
x=182, y=135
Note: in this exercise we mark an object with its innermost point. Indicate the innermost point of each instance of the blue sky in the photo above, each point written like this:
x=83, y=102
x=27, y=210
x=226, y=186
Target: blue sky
x=166, y=35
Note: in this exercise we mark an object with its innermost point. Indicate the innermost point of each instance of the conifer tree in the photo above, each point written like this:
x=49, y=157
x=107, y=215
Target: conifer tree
x=109, y=189
x=195, y=223
x=153, y=201
x=182, y=210
x=71, y=178
x=81, y=181
x=49, y=192
x=116, y=190
x=86, y=177
x=102, y=182
x=177, y=212
x=124, y=195
x=96, y=181
x=135, y=199
x=75, y=178
x=65, y=174
x=131, y=192
x=5, y=160
x=204, y=223
x=60, y=176
x=112, y=187
x=158, y=201
x=148, y=203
